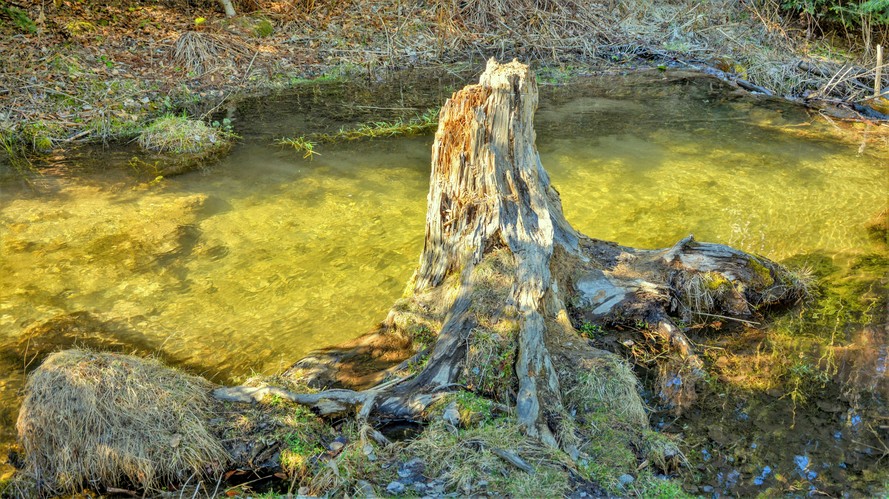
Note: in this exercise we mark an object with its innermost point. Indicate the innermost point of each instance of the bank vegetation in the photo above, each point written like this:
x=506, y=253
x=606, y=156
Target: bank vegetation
x=76, y=72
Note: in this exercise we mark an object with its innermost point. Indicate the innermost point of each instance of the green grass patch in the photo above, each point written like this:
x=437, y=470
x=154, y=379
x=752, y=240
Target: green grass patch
x=19, y=18
x=417, y=125
x=181, y=134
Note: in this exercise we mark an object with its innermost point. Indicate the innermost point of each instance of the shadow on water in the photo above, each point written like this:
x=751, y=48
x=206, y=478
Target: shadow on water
x=248, y=264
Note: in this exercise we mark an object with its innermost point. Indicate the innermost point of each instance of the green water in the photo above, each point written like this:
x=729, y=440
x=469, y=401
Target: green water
x=247, y=265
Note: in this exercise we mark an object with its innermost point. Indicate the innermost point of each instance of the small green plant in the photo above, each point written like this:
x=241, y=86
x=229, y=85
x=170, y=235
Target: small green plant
x=80, y=28
x=298, y=454
x=426, y=122
x=225, y=125
x=473, y=408
x=39, y=136
x=590, y=330
x=106, y=61
x=19, y=18
x=301, y=144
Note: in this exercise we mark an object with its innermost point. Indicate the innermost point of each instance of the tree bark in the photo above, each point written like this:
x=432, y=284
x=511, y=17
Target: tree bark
x=228, y=7
x=500, y=259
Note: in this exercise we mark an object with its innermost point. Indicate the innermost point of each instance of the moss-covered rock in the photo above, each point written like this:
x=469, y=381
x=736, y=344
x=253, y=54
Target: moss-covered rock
x=183, y=144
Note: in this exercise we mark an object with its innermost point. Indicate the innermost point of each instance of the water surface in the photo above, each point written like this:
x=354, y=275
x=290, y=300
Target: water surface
x=248, y=264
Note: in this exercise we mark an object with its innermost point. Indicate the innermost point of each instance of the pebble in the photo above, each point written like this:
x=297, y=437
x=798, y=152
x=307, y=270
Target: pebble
x=395, y=488
x=625, y=479
x=335, y=446
x=366, y=488
x=369, y=452
x=451, y=414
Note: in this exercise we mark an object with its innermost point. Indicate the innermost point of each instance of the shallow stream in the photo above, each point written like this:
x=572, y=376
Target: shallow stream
x=249, y=263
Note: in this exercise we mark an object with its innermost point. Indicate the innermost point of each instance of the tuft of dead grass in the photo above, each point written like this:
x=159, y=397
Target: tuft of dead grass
x=467, y=457
x=101, y=419
x=607, y=384
x=201, y=53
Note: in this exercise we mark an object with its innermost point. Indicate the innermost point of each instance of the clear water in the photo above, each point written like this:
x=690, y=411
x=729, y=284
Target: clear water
x=256, y=260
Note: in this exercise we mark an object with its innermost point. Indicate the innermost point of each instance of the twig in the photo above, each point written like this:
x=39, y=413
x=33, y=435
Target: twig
x=196, y=489
x=249, y=66
x=77, y=136
x=754, y=323
x=115, y=490
x=746, y=85
x=216, y=489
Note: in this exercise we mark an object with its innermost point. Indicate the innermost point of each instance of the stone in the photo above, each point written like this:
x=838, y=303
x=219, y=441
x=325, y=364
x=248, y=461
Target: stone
x=395, y=488
x=626, y=479
x=365, y=488
x=451, y=414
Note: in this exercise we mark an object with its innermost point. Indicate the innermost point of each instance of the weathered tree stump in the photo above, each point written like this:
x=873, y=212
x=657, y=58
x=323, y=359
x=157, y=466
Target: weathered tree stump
x=501, y=259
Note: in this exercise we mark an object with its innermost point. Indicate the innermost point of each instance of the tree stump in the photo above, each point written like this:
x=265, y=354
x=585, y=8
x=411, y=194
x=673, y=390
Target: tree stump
x=503, y=270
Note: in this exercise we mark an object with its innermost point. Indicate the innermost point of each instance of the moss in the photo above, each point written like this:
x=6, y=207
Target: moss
x=263, y=28
x=716, y=281
x=878, y=227
x=765, y=275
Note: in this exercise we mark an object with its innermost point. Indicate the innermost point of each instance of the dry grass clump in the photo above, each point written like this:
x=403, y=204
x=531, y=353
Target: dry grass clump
x=200, y=53
x=608, y=385
x=180, y=134
x=355, y=470
x=467, y=457
x=98, y=419
x=540, y=28
x=701, y=292
x=490, y=357
x=663, y=452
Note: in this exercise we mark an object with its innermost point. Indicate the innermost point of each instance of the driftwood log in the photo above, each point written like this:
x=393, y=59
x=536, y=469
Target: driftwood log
x=500, y=259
